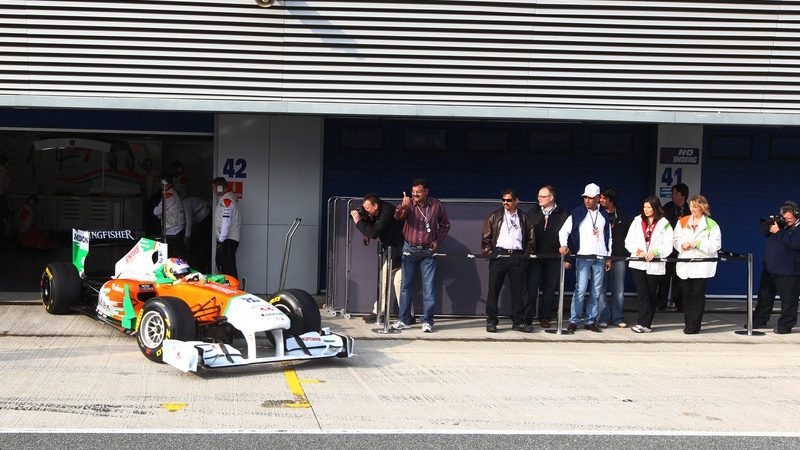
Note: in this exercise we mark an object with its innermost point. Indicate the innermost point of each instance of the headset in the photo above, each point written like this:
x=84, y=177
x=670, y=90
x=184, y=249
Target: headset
x=795, y=207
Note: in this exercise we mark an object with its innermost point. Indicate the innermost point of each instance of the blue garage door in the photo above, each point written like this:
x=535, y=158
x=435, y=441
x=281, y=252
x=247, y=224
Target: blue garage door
x=747, y=174
x=471, y=159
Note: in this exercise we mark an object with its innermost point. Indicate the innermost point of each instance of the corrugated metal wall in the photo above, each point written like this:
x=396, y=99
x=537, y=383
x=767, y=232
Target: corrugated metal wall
x=729, y=56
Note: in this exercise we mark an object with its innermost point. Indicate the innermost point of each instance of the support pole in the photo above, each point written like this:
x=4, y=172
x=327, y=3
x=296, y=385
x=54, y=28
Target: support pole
x=386, y=269
x=560, y=299
x=749, y=331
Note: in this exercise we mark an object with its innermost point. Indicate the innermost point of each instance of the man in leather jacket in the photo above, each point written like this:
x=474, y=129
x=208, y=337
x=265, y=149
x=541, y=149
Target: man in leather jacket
x=507, y=239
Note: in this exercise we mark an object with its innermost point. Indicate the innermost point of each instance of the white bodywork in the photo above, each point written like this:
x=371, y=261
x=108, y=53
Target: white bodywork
x=250, y=315
x=188, y=356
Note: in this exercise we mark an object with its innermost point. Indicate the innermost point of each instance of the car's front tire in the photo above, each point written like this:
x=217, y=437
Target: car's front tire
x=301, y=308
x=60, y=287
x=164, y=318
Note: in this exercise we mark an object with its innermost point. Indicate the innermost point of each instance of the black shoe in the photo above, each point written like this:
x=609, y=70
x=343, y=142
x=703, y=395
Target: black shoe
x=371, y=318
x=571, y=327
x=523, y=327
x=413, y=320
x=756, y=325
x=779, y=331
x=491, y=328
x=688, y=331
x=594, y=328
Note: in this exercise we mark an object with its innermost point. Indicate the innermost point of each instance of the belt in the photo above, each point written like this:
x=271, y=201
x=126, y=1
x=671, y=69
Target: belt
x=419, y=247
x=507, y=250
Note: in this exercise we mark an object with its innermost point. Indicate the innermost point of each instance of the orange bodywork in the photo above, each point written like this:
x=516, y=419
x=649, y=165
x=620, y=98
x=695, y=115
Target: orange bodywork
x=206, y=299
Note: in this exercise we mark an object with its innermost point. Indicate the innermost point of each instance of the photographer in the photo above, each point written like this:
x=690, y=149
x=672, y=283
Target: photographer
x=375, y=220
x=781, y=270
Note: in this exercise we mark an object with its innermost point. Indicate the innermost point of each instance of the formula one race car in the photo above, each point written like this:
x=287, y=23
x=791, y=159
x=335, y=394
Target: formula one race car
x=184, y=318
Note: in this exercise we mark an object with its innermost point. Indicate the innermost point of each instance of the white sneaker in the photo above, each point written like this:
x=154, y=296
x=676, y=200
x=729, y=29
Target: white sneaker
x=603, y=324
x=427, y=327
x=622, y=325
x=640, y=329
x=400, y=325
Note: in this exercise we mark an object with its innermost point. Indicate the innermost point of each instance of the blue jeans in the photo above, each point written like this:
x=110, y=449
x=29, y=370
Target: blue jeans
x=413, y=257
x=611, y=311
x=586, y=269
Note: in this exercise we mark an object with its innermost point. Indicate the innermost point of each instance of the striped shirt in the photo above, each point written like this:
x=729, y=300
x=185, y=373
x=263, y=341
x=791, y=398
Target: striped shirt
x=424, y=224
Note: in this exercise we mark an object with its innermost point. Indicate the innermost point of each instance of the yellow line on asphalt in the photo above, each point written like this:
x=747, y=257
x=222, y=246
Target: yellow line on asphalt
x=300, y=400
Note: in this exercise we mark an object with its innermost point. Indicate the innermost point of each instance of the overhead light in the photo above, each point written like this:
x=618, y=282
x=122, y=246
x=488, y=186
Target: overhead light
x=265, y=3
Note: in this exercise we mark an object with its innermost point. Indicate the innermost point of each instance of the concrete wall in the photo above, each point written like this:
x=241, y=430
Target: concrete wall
x=282, y=181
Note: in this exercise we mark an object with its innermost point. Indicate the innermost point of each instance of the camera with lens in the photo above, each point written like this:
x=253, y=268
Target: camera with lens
x=361, y=212
x=767, y=222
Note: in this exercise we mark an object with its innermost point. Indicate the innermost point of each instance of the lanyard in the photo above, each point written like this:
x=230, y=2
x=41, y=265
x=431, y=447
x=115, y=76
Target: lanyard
x=508, y=218
x=425, y=218
x=546, y=215
x=648, y=233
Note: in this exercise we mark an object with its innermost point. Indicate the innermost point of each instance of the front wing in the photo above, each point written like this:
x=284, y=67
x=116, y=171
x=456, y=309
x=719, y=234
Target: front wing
x=188, y=356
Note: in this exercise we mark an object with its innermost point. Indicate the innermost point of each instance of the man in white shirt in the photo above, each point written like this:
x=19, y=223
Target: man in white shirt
x=227, y=227
x=587, y=231
x=507, y=239
x=170, y=211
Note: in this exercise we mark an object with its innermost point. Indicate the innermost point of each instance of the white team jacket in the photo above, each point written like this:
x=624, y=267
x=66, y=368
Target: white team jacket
x=660, y=245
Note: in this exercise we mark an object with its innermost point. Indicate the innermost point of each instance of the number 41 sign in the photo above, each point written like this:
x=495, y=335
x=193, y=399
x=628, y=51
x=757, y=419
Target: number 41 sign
x=677, y=165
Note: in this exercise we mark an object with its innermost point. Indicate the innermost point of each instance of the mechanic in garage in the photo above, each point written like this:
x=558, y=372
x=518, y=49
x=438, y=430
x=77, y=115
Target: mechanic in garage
x=227, y=227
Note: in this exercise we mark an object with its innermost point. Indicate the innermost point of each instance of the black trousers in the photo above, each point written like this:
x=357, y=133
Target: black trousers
x=176, y=248
x=515, y=266
x=788, y=290
x=766, y=298
x=542, y=274
x=664, y=286
x=226, y=258
x=647, y=293
x=694, y=303
x=199, y=251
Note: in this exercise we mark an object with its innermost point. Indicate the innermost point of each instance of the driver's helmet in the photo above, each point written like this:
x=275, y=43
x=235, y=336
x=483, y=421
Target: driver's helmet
x=176, y=268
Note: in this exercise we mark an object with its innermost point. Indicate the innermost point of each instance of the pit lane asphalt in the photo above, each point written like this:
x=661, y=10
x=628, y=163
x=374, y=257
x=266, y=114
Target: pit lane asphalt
x=715, y=389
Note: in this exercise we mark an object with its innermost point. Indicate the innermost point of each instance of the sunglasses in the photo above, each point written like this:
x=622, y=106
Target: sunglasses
x=507, y=200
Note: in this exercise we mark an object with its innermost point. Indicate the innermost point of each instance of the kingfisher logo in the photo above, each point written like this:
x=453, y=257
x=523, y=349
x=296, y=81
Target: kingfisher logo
x=112, y=234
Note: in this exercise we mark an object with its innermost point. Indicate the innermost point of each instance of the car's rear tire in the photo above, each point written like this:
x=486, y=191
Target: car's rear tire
x=301, y=308
x=164, y=318
x=60, y=287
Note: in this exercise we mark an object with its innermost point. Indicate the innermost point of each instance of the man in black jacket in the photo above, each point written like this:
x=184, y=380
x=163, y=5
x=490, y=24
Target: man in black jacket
x=673, y=211
x=546, y=219
x=375, y=220
x=507, y=238
x=782, y=266
x=611, y=310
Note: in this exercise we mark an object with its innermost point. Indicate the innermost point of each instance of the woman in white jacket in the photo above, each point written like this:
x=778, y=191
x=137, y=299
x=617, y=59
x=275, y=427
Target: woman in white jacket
x=696, y=236
x=649, y=237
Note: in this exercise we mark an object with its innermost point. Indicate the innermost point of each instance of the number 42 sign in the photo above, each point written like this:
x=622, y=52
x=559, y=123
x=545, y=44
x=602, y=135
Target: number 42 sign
x=677, y=165
x=236, y=171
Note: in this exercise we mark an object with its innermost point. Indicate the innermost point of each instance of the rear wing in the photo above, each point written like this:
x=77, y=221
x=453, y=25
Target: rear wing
x=106, y=247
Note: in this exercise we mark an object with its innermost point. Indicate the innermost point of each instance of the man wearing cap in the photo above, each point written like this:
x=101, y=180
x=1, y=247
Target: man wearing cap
x=170, y=211
x=587, y=231
x=507, y=239
x=782, y=265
